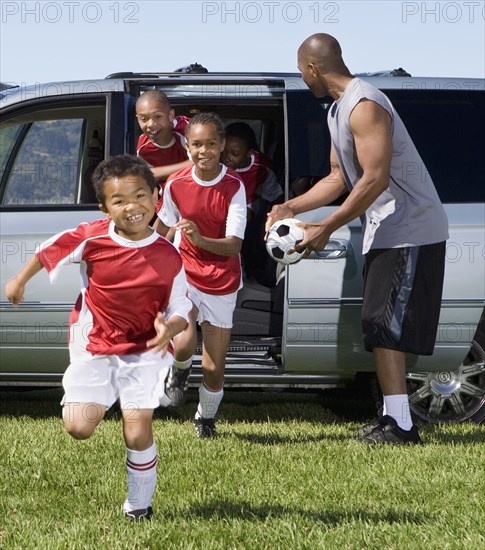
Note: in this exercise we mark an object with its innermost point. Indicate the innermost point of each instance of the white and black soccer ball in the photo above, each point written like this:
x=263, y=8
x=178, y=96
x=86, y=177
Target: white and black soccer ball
x=283, y=235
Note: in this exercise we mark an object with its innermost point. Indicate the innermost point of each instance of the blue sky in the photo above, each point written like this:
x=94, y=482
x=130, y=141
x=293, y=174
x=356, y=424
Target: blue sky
x=42, y=41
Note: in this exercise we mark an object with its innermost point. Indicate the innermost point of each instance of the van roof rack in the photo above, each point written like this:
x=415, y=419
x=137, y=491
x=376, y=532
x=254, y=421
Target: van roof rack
x=393, y=72
x=194, y=68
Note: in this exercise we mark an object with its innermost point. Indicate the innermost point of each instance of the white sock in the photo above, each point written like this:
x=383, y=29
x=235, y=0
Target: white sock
x=142, y=478
x=182, y=365
x=397, y=406
x=209, y=402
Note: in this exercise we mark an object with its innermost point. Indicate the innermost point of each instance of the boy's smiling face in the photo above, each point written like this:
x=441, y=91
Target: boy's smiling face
x=155, y=120
x=130, y=203
x=236, y=153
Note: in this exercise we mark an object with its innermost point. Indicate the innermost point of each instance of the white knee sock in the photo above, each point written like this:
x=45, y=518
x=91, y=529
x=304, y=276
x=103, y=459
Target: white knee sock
x=209, y=402
x=142, y=478
x=397, y=406
x=182, y=365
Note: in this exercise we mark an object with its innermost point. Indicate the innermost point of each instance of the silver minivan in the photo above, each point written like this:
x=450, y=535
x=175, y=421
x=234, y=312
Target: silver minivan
x=294, y=327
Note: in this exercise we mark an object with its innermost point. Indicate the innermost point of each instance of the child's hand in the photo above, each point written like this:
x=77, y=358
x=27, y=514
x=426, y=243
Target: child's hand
x=190, y=230
x=162, y=340
x=14, y=291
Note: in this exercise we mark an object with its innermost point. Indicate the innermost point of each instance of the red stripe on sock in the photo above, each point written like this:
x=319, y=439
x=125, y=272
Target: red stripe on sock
x=141, y=467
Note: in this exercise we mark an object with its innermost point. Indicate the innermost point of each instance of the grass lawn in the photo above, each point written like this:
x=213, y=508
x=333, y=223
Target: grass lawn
x=284, y=473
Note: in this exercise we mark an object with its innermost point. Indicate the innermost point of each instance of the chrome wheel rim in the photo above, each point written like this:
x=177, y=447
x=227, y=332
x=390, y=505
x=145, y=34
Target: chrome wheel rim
x=449, y=396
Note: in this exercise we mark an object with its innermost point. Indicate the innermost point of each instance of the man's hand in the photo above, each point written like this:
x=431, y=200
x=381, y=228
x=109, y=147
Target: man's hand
x=278, y=212
x=316, y=237
x=164, y=335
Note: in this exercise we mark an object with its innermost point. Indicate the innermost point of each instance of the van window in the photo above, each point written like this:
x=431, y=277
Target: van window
x=45, y=170
x=308, y=135
x=48, y=155
x=447, y=129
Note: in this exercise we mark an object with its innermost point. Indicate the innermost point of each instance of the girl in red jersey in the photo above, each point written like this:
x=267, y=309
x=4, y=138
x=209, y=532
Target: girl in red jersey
x=121, y=327
x=206, y=204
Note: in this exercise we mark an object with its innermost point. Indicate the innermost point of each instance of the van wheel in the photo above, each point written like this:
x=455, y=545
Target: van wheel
x=451, y=396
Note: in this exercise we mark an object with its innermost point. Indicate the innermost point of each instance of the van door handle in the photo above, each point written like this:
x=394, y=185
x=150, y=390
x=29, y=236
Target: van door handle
x=335, y=249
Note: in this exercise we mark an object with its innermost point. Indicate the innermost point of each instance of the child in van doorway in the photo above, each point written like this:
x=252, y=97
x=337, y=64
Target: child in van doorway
x=262, y=192
x=162, y=143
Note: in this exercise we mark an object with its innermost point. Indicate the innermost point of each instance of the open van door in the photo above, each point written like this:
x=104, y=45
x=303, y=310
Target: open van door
x=323, y=293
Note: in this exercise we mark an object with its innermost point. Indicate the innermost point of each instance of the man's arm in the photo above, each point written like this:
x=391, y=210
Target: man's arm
x=325, y=191
x=371, y=127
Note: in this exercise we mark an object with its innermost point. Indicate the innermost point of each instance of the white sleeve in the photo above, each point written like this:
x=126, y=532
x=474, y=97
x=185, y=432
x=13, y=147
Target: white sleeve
x=169, y=213
x=270, y=189
x=236, y=217
x=178, y=303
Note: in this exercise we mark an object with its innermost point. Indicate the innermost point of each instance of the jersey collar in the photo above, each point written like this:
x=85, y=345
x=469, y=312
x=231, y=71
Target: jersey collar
x=118, y=239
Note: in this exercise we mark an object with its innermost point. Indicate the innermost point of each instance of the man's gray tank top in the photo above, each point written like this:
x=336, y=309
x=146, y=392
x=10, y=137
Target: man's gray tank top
x=409, y=212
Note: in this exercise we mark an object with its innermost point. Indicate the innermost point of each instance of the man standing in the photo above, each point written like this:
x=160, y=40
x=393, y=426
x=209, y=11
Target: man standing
x=404, y=224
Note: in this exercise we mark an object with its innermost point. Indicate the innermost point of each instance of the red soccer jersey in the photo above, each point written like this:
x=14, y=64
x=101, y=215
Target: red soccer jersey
x=259, y=180
x=218, y=208
x=173, y=153
x=125, y=284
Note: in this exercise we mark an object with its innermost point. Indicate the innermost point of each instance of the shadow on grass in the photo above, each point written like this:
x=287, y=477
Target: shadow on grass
x=226, y=509
x=274, y=439
x=38, y=403
x=325, y=407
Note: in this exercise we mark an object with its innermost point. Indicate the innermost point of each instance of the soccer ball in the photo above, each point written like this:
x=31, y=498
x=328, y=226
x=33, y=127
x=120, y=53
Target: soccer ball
x=282, y=236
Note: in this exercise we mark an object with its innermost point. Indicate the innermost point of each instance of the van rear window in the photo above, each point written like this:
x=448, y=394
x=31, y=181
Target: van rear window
x=447, y=129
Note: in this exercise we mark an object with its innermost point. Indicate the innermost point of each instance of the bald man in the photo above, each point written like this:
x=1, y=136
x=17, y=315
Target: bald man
x=404, y=224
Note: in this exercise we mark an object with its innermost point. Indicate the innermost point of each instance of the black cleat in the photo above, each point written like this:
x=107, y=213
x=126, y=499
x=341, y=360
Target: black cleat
x=143, y=514
x=387, y=431
x=205, y=427
x=176, y=385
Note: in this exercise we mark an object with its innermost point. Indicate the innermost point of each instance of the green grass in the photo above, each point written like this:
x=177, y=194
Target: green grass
x=285, y=473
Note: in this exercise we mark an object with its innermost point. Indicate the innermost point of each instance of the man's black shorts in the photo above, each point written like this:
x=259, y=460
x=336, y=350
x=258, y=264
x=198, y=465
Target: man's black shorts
x=402, y=297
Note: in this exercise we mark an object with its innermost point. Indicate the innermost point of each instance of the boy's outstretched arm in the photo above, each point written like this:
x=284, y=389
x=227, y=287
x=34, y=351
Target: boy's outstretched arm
x=14, y=289
x=166, y=330
x=162, y=172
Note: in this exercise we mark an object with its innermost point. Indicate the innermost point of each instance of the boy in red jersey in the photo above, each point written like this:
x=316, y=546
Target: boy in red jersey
x=262, y=191
x=124, y=319
x=206, y=203
x=241, y=154
x=162, y=143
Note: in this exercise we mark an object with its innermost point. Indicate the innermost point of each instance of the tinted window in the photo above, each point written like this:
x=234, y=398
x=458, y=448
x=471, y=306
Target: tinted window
x=50, y=151
x=447, y=128
x=8, y=137
x=45, y=170
x=308, y=137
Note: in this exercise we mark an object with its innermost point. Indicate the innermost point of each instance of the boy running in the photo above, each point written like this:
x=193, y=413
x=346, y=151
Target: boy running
x=132, y=303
